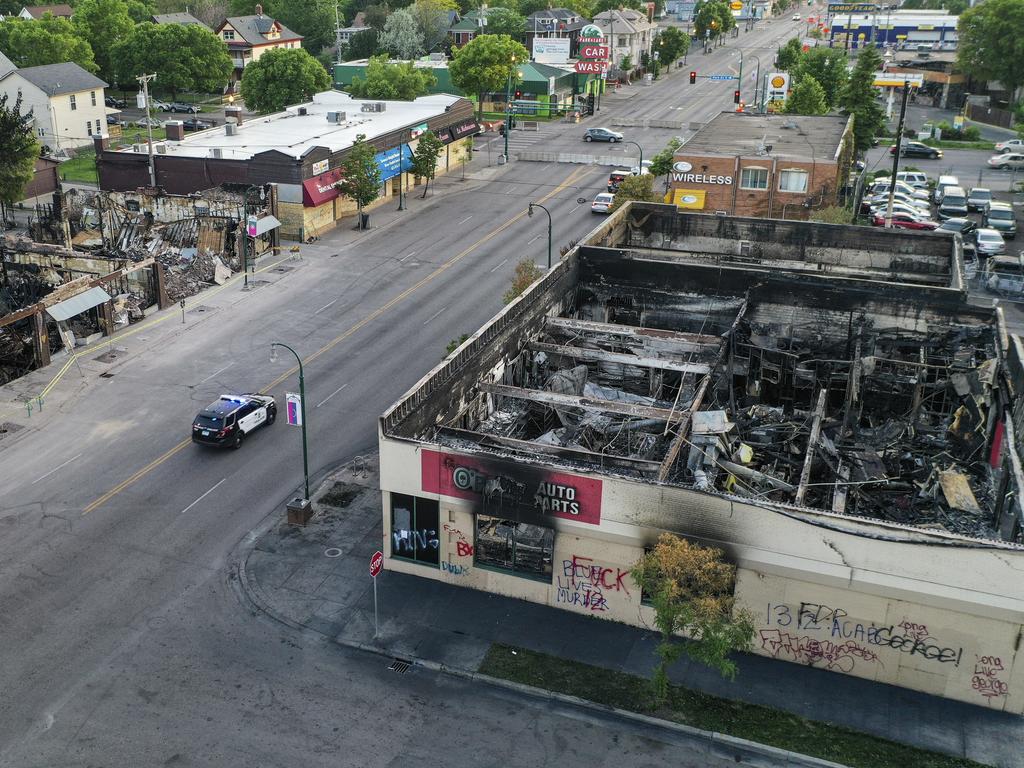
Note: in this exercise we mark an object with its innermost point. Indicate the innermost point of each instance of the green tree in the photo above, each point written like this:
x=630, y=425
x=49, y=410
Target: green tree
x=525, y=275
x=363, y=45
x=185, y=57
x=990, y=42
x=713, y=16
x=661, y=163
x=141, y=10
x=691, y=589
x=828, y=67
x=600, y=6
x=672, y=45
x=102, y=23
x=858, y=99
x=11, y=7
x=485, y=64
x=360, y=175
x=639, y=188
x=49, y=40
x=281, y=77
x=807, y=98
x=18, y=148
x=313, y=19
x=376, y=16
x=789, y=55
x=424, y=159
x=392, y=82
x=432, y=20
x=401, y=36
x=954, y=7
x=502, y=21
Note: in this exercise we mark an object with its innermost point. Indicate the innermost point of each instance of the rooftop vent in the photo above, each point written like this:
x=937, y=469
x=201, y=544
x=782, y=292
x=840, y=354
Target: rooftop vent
x=374, y=106
x=336, y=117
x=303, y=111
x=230, y=129
x=216, y=152
x=161, y=149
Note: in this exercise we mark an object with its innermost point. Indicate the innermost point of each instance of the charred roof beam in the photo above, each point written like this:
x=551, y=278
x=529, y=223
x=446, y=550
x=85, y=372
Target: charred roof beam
x=558, y=400
x=683, y=342
x=601, y=356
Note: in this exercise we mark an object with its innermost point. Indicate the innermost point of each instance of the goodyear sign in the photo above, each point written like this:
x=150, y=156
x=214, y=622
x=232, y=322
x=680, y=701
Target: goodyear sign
x=834, y=8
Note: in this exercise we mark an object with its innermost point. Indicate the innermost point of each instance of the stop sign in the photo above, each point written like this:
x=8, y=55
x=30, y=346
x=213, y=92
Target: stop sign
x=376, y=563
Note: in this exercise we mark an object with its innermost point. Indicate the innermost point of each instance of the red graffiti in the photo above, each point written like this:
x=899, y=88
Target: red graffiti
x=464, y=549
x=986, y=677
x=841, y=657
x=583, y=569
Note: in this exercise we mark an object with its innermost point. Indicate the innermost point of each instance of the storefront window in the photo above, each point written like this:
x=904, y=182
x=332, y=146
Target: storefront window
x=754, y=178
x=793, y=181
x=414, y=529
x=522, y=548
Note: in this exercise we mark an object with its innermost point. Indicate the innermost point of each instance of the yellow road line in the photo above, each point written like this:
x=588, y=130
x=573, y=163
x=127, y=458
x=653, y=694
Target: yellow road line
x=338, y=339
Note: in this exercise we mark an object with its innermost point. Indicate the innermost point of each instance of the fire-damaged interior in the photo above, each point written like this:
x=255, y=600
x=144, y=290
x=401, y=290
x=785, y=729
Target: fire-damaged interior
x=783, y=362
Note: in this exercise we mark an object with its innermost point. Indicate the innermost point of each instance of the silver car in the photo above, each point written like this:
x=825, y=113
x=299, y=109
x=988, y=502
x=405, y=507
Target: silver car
x=989, y=242
x=979, y=199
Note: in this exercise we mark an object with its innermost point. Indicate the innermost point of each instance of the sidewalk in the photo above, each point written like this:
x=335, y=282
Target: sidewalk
x=317, y=578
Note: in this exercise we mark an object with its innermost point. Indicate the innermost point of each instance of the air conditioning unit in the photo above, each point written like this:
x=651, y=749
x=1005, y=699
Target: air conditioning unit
x=230, y=129
x=303, y=111
x=216, y=152
x=336, y=117
x=161, y=149
x=373, y=106
x=140, y=147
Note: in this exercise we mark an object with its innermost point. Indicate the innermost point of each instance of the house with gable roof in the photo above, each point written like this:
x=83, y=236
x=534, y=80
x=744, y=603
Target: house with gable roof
x=249, y=37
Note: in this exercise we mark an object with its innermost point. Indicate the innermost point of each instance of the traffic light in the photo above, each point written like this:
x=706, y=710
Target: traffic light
x=590, y=104
x=519, y=94
x=736, y=96
x=693, y=78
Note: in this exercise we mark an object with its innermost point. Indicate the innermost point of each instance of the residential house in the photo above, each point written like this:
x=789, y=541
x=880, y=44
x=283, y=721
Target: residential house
x=358, y=25
x=465, y=28
x=30, y=12
x=249, y=37
x=66, y=103
x=629, y=34
x=555, y=23
x=185, y=19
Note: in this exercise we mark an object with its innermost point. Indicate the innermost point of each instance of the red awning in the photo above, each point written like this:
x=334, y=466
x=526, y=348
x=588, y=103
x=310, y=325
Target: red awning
x=320, y=189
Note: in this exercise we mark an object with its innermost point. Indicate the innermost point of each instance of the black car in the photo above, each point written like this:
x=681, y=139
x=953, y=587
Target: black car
x=964, y=226
x=916, y=149
x=195, y=124
x=229, y=419
x=113, y=103
x=182, y=106
x=114, y=120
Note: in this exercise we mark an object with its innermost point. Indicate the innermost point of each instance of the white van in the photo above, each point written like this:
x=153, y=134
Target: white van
x=917, y=179
x=942, y=184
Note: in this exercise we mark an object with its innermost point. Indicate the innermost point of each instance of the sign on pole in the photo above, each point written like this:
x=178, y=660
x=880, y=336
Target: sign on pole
x=376, y=566
x=722, y=77
x=594, y=51
x=897, y=80
x=554, y=50
x=250, y=225
x=778, y=86
x=294, y=409
x=591, y=67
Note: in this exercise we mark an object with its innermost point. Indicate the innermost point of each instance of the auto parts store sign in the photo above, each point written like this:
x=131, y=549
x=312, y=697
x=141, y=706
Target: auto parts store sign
x=543, y=492
x=682, y=172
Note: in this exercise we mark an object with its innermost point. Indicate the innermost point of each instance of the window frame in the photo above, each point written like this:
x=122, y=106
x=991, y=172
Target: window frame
x=759, y=168
x=433, y=559
x=74, y=104
x=92, y=97
x=785, y=172
x=511, y=570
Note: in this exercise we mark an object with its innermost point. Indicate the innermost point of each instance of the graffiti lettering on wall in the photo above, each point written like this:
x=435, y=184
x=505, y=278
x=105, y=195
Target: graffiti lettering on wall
x=462, y=547
x=986, y=680
x=841, y=657
x=584, y=583
x=907, y=637
x=408, y=541
x=455, y=569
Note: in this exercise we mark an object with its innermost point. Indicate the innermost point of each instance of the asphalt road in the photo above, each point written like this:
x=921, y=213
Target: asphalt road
x=123, y=641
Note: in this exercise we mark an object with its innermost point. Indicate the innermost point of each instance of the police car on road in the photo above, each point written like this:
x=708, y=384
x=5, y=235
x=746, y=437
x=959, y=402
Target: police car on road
x=228, y=420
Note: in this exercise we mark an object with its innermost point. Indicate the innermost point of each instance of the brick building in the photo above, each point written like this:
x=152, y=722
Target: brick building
x=769, y=166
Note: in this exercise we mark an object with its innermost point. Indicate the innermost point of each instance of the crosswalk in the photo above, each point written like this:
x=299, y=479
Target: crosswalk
x=517, y=140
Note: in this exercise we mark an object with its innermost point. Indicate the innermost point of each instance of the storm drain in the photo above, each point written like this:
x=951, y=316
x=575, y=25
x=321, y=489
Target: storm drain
x=8, y=428
x=401, y=666
x=106, y=375
x=200, y=309
x=282, y=269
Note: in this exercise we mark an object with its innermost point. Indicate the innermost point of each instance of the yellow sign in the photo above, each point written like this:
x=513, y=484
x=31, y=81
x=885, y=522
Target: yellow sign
x=778, y=81
x=687, y=198
x=736, y=5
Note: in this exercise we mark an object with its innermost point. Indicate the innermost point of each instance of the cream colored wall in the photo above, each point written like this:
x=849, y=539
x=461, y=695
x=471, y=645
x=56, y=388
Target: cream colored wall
x=258, y=52
x=69, y=125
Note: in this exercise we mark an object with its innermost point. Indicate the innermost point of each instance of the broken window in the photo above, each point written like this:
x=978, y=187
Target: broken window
x=414, y=529
x=521, y=548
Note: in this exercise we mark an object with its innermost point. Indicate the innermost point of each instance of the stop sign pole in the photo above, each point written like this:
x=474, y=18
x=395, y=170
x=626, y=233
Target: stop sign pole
x=376, y=566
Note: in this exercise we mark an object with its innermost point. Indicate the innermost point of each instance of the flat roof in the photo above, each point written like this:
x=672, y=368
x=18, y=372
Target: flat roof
x=744, y=133
x=294, y=134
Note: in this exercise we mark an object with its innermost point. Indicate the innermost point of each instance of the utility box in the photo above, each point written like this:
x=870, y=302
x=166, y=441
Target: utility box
x=299, y=511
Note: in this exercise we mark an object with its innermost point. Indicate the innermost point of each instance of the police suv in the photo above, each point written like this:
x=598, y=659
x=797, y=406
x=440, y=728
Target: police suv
x=228, y=420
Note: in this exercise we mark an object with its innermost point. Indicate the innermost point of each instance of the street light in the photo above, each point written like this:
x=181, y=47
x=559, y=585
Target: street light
x=641, y=166
x=529, y=212
x=302, y=408
x=508, y=105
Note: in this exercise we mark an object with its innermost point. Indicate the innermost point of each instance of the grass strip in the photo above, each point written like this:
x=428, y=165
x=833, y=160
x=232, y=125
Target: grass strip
x=711, y=713
x=81, y=168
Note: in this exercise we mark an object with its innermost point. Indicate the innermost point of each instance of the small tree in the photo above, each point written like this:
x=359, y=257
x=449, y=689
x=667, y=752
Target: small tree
x=807, y=98
x=639, y=188
x=363, y=45
x=281, y=77
x=392, y=82
x=673, y=44
x=360, y=175
x=401, y=36
x=485, y=64
x=858, y=99
x=424, y=159
x=832, y=214
x=788, y=57
x=18, y=148
x=661, y=163
x=505, y=21
x=102, y=23
x=691, y=589
x=526, y=274
x=433, y=19
x=828, y=67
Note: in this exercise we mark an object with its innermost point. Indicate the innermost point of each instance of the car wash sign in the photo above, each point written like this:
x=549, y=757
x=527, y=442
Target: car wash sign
x=682, y=172
x=504, y=485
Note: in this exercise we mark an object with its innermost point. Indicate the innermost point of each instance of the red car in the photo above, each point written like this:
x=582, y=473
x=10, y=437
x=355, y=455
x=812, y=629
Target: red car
x=903, y=221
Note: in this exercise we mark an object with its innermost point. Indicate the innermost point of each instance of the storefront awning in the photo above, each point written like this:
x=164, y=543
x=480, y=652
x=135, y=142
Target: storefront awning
x=63, y=310
x=266, y=224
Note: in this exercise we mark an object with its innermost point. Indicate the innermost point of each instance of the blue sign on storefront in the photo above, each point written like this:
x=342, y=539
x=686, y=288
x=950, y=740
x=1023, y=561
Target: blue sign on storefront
x=391, y=163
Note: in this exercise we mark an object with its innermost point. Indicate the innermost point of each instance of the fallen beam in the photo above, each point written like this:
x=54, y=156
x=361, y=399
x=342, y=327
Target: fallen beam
x=812, y=446
x=601, y=356
x=685, y=342
x=558, y=400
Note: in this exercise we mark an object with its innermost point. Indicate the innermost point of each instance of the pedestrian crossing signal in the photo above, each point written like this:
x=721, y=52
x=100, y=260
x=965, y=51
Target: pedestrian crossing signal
x=693, y=78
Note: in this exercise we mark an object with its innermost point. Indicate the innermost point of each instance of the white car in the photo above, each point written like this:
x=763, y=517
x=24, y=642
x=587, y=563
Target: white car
x=883, y=186
x=602, y=203
x=910, y=210
x=796, y=17
x=1010, y=145
x=989, y=242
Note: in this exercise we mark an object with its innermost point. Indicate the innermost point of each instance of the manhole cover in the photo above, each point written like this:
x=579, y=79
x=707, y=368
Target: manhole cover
x=200, y=309
x=106, y=375
x=401, y=666
x=9, y=428
x=282, y=269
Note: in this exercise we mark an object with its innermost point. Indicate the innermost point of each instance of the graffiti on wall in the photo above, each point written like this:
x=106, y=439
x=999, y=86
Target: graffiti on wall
x=987, y=680
x=585, y=583
x=838, y=657
x=463, y=547
x=406, y=542
x=456, y=569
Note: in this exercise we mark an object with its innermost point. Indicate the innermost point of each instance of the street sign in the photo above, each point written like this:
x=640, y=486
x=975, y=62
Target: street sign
x=376, y=563
x=294, y=408
x=591, y=67
x=250, y=226
x=721, y=77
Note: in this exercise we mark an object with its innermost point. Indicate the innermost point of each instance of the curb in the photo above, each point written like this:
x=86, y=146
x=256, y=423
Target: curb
x=720, y=745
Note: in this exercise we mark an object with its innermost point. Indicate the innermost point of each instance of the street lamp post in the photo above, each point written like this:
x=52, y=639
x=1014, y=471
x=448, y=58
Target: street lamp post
x=529, y=212
x=641, y=166
x=508, y=105
x=302, y=407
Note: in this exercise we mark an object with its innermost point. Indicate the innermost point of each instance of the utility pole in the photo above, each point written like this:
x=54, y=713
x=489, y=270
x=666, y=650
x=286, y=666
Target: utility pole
x=144, y=81
x=337, y=35
x=896, y=155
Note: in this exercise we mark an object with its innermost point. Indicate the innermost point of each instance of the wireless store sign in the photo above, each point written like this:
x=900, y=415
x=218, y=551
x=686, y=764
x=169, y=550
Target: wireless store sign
x=683, y=171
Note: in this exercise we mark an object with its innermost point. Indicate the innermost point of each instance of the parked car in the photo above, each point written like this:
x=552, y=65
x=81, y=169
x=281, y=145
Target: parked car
x=160, y=106
x=1002, y=219
x=880, y=187
x=796, y=17
x=954, y=203
x=971, y=262
x=898, y=197
x=183, y=106
x=195, y=124
x=989, y=242
x=916, y=179
x=941, y=185
x=904, y=221
x=978, y=199
x=115, y=120
x=910, y=210
x=1006, y=161
x=150, y=122
x=964, y=227
x=602, y=134
x=916, y=149
x=113, y=103
x=1010, y=145
x=602, y=203
x=229, y=419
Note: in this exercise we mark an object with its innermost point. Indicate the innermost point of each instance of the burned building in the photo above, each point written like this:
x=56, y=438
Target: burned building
x=819, y=401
